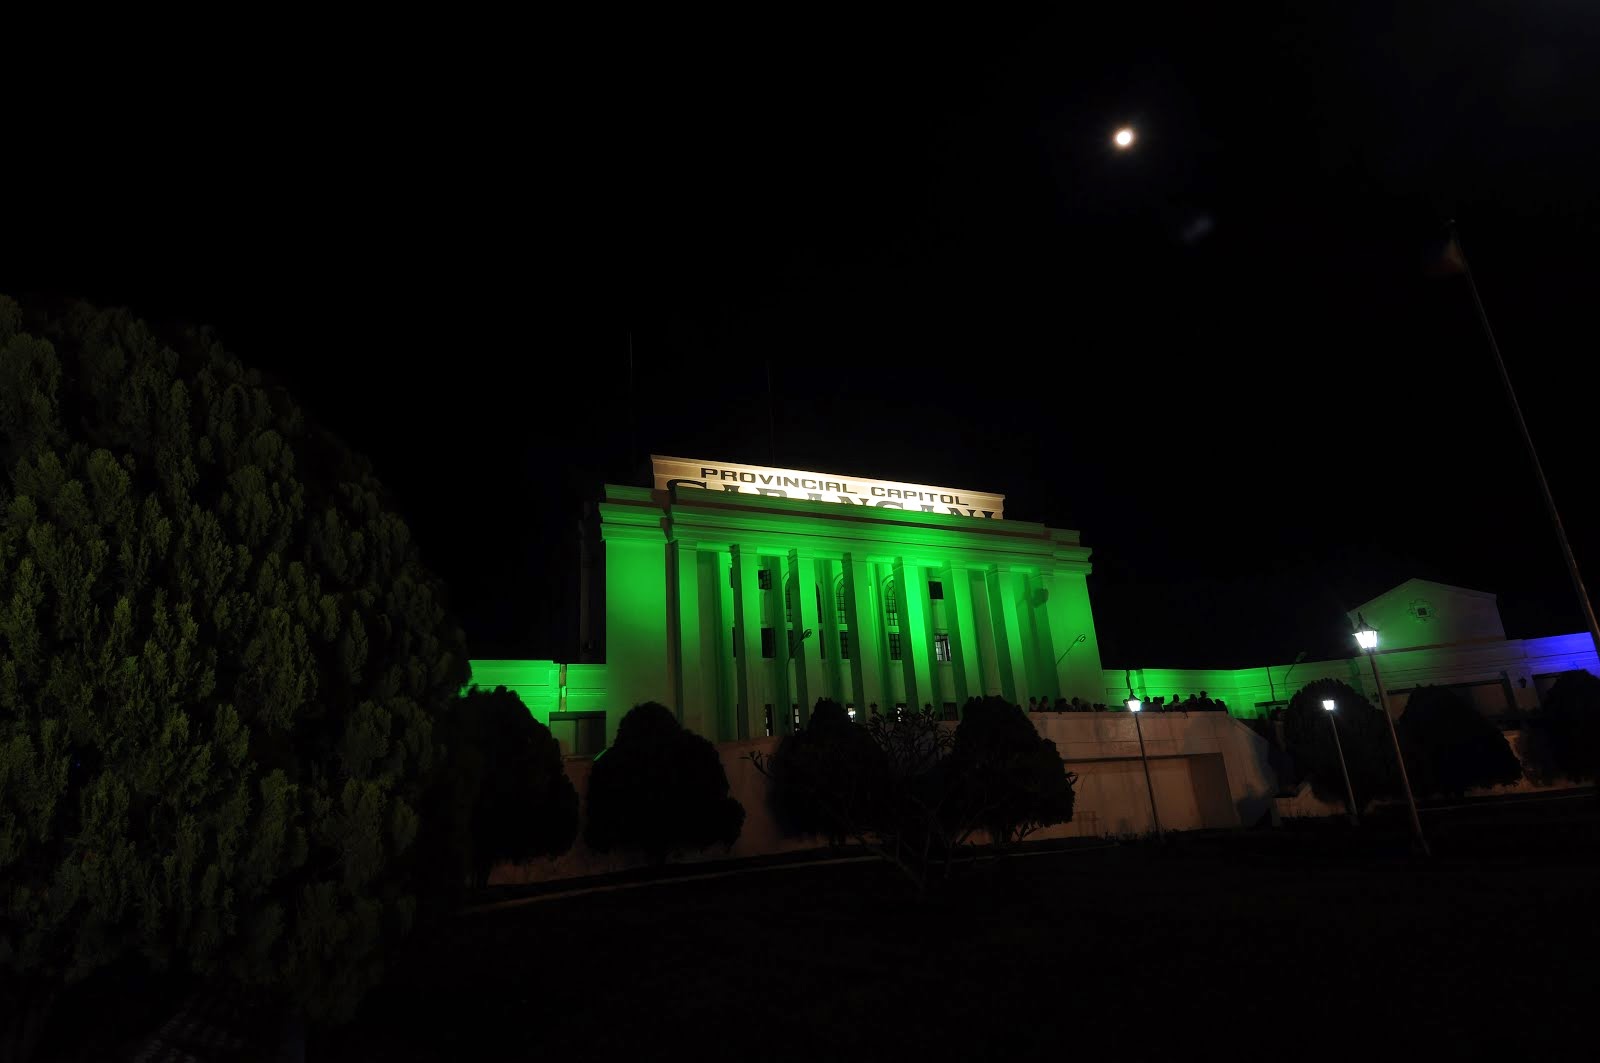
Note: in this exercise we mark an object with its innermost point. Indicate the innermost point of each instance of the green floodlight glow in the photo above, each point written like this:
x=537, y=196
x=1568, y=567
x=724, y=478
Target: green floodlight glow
x=1367, y=639
x=1134, y=704
x=1328, y=704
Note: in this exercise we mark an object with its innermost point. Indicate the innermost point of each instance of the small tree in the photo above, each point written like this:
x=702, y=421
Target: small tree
x=827, y=778
x=514, y=799
x=1449, y=746
x=659, y=789
x=1006, y=778
x=1569, y=721
x=1363, y=734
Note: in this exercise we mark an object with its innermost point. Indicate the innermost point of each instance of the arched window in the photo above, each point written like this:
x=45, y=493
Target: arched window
x=838, y=601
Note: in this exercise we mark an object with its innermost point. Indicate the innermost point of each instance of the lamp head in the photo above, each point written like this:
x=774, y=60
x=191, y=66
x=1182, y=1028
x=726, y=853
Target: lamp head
x=1134, y=704
x=1366, y=637
x=1328, y=704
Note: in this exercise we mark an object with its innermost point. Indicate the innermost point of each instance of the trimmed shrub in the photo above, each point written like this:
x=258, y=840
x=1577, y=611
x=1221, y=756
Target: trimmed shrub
x=1450, y=747
x=1363, y=734
x=659, y=789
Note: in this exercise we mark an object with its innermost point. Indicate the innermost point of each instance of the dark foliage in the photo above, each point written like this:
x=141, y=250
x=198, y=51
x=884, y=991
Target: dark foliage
x=221, y=665
x=1006, y=778
x=511, y=796
x=1567, y=727
x=659, y=789
x=1449, y=746
x=828, y=777
x=914, y=791
x=1368, y=747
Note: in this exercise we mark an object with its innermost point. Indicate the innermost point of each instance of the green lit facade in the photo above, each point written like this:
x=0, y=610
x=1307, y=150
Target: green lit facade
x=739, y=595
x=740, y=610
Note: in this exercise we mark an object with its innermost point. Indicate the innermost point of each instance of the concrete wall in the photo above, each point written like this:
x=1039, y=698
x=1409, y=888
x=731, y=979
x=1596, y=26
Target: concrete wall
x=1208, y=770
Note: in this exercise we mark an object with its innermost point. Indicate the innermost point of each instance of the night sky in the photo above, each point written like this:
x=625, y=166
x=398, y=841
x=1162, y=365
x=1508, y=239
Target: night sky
x=1220, y=355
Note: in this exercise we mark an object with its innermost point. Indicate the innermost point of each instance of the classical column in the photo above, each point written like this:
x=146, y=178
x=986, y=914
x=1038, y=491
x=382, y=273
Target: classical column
x=776, y=668
x=966, y=666
x=916, y=633
x=1044, y=671
x=752, y=691
x=1008, y=641
x=861, y=613
x=810, y=671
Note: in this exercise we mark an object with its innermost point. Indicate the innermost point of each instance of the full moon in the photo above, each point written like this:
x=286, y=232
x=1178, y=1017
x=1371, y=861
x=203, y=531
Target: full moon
x=1123, y=138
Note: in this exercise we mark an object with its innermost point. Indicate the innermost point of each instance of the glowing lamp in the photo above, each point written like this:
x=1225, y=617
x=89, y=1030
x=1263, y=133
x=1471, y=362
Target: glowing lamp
x=1123, y=138
x=1134, y=704
x=1327, y=703
x=1367, y=639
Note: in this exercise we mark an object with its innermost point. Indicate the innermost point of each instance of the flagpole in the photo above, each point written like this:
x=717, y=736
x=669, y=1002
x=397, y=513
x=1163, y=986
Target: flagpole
x=1527, y=439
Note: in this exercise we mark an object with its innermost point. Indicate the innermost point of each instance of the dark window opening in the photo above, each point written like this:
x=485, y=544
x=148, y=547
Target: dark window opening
x=844, y=645
x=935, y=590
x=894, y=645
x=764, y=578
x=769, y=642
x=838, y=601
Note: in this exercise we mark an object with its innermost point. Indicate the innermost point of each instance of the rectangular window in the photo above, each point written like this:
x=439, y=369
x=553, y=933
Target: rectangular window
x=894, y=645
x=764, y=578
x=891, y=610
x=935, y=590
x=769, y=642
x=941, y=645
x=844, y=645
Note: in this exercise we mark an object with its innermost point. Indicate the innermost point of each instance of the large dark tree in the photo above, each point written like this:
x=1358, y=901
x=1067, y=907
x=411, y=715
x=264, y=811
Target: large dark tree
x=659, y=789
x=511, y=795
x=1567, y=726
x=1363, y=733
x=220, y=666
x=828, y=778
x=1007, y=779
x=1450, y=747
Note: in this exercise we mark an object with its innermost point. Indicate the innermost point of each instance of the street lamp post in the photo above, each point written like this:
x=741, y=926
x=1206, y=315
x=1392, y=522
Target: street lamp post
x=1350, y=793
x=1134, y=705
x=1367, y=639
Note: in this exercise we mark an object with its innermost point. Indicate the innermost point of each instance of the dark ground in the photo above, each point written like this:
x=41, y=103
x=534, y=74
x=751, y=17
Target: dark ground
x=1306, y=942
x=1296, y=943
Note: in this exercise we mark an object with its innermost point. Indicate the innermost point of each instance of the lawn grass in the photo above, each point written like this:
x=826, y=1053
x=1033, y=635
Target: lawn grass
x=1295, y=943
